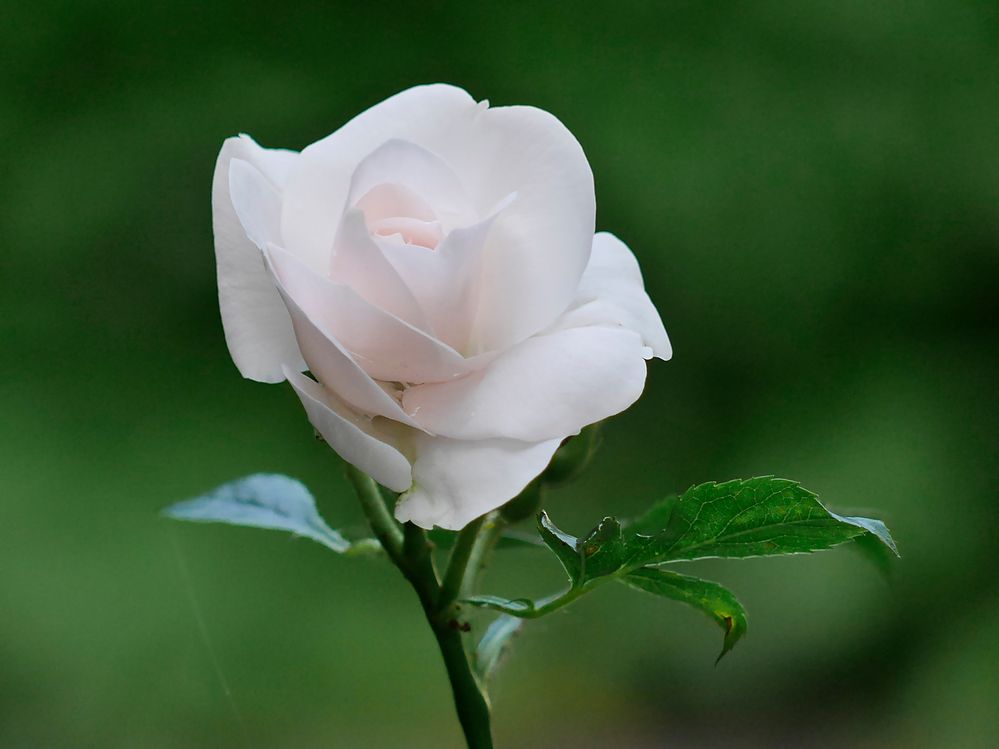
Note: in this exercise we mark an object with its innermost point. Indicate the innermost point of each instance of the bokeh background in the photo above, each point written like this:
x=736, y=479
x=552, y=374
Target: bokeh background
x=813, y=192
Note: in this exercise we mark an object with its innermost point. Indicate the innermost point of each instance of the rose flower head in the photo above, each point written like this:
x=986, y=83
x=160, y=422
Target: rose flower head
x=433, y=266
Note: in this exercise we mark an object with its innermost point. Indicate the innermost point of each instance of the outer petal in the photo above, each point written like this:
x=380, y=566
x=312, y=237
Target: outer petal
x=611, y=292
x=257, y=203
x=539, y=246
x=386, y=347
x=548, y=386
x=455, y=482
x=257, y=326
x=356, y=439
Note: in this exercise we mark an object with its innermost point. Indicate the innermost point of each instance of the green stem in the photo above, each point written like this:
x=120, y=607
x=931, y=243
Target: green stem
x=489, y=535
x=409, y=549
x=548, y=605
x=457, y=564
x=469, y=701
x=382, y=523
x=537, y=609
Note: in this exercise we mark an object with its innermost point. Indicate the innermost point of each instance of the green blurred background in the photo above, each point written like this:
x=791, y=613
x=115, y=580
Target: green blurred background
x=812, y=190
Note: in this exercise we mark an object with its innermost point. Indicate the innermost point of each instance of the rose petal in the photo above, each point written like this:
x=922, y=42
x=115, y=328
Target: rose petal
x=387, y=201
x=358, y=262
x=407, y=232
x=388, y=348
x=537, y=250
x=455, y=482
x=317, y=190
x=257, y=203
x=257, y=326
x=422, y=173
x=356, y=439
x=611, y=292
x=445, y=282
x=548, y=386
x=333, y=365
x=539, y=246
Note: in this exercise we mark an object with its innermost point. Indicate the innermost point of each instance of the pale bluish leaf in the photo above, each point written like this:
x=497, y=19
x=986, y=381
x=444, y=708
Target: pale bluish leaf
x=263, y=500
x=494, y=643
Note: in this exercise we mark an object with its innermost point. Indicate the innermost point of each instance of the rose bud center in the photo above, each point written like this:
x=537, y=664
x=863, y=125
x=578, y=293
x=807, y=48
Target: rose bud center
x=397, y=213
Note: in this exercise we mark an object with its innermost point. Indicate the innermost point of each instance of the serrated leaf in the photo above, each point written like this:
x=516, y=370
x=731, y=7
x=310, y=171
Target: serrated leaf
x=263, y=500
x=603, y=550
x=713, y=599
x=754, y=517
x=563, y=545
x=656, y=518
x=762, y=516
x=494, y=644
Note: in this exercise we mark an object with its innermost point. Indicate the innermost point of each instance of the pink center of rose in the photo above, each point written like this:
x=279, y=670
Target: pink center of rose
x=407, y=230
x=396, y=213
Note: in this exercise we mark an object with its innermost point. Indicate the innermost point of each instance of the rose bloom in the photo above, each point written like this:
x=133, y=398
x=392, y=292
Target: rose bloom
x=433, y=265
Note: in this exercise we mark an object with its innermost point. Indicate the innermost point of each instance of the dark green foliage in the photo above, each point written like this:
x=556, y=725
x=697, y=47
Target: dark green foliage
x=762, y=516
x=717, y=602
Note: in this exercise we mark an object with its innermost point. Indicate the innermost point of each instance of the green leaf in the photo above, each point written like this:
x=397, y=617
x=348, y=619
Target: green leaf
x=603, y=551
x=742, y=518
x=495, y=643
x=762, y=516
x=714, y=600
x=563, y=546
x=656, y=518
x=263, y=500
x=747, y=518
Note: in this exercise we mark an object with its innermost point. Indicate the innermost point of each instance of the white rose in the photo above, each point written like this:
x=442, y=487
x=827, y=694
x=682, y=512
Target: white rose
x=433, y=265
